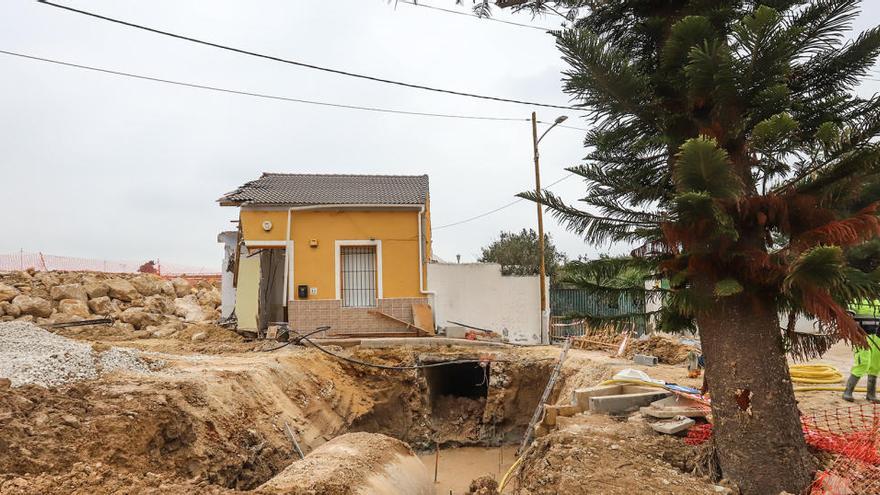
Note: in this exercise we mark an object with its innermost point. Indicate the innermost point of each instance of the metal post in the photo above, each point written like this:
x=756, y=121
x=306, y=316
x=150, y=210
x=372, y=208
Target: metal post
x=543, y=275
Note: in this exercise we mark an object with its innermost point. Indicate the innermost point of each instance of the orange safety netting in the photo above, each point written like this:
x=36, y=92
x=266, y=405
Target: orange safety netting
x=851, y=435
x=48, y=262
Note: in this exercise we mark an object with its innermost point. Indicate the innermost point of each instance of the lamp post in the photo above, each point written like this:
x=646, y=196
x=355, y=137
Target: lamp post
x=545, y=317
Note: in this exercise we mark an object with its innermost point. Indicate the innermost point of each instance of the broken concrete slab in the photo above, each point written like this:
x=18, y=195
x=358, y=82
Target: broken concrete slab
x=645, y=360
x=673, y=426
x=626, y=402
x=671, y=407
x=580, y=398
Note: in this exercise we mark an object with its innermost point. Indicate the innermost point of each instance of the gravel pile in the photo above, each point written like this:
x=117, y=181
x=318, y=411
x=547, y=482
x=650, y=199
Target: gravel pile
x=31, y=355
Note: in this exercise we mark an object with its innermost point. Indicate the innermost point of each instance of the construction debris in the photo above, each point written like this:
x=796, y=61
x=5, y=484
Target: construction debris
x=31, y=355
x=673, y=426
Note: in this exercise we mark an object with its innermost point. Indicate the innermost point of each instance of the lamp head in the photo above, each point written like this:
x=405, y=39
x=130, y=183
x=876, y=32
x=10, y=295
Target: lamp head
x=561, y=119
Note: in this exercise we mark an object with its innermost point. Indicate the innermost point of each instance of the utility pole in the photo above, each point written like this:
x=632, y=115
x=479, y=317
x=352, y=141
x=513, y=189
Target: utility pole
x=541, y=269
x=545, y=316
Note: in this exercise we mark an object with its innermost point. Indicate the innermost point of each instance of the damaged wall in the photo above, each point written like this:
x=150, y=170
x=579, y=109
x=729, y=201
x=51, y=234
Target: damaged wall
x=477, y=294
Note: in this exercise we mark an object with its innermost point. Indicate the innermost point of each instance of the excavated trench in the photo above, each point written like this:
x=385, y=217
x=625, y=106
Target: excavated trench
x=227, y=428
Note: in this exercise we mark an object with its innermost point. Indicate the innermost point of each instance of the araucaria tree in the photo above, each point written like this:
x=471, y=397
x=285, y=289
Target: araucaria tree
x=728, y=145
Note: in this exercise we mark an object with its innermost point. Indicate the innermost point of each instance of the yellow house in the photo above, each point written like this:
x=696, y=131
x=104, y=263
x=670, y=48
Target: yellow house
x=346, y=251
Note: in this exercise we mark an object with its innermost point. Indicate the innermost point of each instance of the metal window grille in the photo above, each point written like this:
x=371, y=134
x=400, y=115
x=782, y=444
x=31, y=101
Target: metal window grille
x=358, y=276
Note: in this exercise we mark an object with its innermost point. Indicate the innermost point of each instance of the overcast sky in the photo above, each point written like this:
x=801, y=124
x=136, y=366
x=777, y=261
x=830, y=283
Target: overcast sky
x=106, y=167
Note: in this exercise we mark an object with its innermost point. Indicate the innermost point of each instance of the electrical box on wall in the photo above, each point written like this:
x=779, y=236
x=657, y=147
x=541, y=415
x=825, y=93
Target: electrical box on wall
x=313, y=242
x=313, y=291
x=302, y=291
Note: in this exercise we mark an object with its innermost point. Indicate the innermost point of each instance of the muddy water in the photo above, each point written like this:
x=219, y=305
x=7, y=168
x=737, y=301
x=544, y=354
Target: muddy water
x=458, y=466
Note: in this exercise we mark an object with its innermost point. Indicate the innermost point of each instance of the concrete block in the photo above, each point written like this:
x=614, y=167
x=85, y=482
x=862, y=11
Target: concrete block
x=567, y=410
x=618, y=404
x=645, y=360
x=580, y=398
x=673, y=426
x=671, y=407
x=550, y=414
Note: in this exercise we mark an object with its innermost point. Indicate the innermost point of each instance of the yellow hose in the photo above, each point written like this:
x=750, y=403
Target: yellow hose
x=815, y=374
x=510, y=471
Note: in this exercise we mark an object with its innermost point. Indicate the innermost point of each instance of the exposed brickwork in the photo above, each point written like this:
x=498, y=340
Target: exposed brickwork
x=310, y=314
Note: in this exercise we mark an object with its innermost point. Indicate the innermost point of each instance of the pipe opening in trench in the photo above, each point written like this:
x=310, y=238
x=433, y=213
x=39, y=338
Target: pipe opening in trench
x=454, y=380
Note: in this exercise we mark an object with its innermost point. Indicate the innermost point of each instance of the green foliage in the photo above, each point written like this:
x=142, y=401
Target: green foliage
x=518, y=253
x=728, y=146
x=704, y=167
x=727, y=287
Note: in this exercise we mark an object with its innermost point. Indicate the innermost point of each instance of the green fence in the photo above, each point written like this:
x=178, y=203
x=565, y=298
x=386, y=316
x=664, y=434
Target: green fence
x=574, y=302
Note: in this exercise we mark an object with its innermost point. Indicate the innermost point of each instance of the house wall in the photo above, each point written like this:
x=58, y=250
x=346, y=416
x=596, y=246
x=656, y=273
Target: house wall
x=477, y=294
x=227, y=290
x=247, y=290
x=395, y=232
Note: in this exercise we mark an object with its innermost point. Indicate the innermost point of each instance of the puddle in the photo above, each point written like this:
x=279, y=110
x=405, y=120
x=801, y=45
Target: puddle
x=458, y=466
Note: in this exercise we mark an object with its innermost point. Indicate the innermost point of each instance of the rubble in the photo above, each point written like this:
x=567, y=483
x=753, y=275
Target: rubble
x=31, y=355
x=137, y=302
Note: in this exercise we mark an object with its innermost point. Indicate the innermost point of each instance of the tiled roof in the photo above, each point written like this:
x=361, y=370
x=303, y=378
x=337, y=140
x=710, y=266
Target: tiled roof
x=330, y=189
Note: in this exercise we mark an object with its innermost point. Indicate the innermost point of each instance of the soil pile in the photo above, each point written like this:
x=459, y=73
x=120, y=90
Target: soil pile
x=596, y=454
x=667, y=349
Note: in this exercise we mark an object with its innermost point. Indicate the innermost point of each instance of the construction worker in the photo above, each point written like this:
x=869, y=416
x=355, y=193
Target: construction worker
x=867, y=359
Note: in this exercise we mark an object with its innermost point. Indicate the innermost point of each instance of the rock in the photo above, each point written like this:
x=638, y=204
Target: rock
x=70, y=420
x=199, y=336
x=165, y=331
x=122, y=289
x=8, y=292
x=35, y=306
x=68, y=291
x=158, y=304
x=140, y=318
x=96, y=289
x=102, y=305
x=124, y=327
x=74, y=307
x=5, y=383
x=182, y=287
x=26, y=318
x=147, y=285
x=47, y=279
x=209, y=297
x=189, y=309
x=11, y=309
x=167, y=288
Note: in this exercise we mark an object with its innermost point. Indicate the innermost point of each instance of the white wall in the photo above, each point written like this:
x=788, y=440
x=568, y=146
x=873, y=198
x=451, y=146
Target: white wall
x=227, y=291
x=477, y=294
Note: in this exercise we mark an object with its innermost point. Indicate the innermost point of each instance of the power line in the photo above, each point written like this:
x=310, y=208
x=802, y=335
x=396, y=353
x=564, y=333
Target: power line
x=257, y=95
x=269, y=96
x=300, y=64
x=481, y=215
x=451, y=11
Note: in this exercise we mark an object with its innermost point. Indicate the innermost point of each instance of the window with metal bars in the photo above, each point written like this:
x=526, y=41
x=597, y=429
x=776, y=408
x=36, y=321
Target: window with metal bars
x=358, y=276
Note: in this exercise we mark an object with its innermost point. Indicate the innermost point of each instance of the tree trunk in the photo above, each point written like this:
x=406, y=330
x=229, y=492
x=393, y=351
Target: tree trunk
x=757, y=425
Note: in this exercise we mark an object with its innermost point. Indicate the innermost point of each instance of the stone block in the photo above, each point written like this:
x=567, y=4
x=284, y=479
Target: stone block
x=673, y=426
x=671, y=407
x=645, y=360
x=580, y=398
x=627, y=402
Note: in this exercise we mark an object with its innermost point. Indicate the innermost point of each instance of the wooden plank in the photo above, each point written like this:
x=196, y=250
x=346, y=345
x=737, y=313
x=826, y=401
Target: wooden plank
x=536, y=416
x=398, y=320
x=423, y=317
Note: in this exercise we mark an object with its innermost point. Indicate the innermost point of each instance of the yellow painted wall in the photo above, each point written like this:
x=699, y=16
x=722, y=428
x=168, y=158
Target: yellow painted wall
x=247, y=291
x=252, y=225
x=316, y=267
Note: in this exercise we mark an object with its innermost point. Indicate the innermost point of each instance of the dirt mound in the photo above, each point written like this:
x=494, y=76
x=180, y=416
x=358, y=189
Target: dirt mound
x=484, y=485
x=596, y=454
x=667, y=349
x=355, y=463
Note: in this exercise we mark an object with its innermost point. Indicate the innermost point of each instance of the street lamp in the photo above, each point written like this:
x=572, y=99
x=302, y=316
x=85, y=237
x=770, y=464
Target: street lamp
x=545, y=317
